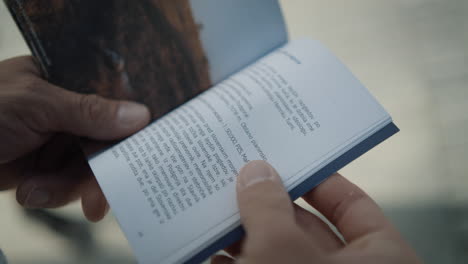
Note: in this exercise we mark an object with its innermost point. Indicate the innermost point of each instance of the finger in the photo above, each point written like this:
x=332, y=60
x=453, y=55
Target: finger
x=98, y=118
x=54, y=154
x=264, y=204
x=93, y=201
x=53, y=189
x=9, y=176
x=94, y=204
x=351, y=210
x=90, y=116
x=90, y=147
x=235, y=249
x=219, y=259
x=21, y=65
x=12, y=174
x=51, y=109
x=318, y=231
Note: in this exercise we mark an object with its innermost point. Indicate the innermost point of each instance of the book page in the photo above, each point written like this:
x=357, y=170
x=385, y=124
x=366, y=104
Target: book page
x=172, y=185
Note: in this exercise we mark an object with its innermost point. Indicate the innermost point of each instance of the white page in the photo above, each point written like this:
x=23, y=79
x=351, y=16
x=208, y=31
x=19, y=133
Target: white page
x=332, y=106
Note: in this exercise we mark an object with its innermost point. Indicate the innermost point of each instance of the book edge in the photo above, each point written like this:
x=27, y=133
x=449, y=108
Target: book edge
x=27, y=32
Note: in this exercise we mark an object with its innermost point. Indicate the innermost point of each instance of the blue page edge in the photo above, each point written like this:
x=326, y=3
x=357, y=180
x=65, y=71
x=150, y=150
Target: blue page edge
x=313, y=181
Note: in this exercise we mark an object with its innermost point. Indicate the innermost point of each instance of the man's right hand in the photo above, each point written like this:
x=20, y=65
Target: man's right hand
x=279, y=231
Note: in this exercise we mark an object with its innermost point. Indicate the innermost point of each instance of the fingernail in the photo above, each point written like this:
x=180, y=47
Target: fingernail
x=132, y=113
x=255, y=172
x=37, y=198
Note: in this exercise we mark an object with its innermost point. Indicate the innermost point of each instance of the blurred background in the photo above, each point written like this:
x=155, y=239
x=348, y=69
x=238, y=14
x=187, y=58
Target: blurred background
x=411, y=54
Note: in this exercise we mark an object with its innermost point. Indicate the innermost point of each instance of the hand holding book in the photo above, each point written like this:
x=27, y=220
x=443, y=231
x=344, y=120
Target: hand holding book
x=47, y=166
x=172, y=185
x=278, y=231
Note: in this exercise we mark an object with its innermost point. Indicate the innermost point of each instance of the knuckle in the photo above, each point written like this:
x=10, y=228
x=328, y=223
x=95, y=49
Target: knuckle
x=32, y=84
x=277, y=238
x=346, y=203
x=91, y=107
x=29, y=105
x=28, y=64
x=20, y=65
x=41, y=121
x=282, y=233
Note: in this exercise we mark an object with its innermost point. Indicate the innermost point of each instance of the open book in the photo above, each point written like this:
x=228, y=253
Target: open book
x=172, y=185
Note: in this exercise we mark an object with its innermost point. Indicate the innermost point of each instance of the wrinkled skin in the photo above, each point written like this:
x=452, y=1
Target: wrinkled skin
x=41, y=129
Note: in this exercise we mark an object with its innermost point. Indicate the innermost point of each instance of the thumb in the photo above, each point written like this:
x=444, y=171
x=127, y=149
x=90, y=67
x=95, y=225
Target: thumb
x=264, y=204
x=98, y=118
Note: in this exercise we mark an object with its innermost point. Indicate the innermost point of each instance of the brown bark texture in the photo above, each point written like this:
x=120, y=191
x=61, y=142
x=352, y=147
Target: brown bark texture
x=143, y=50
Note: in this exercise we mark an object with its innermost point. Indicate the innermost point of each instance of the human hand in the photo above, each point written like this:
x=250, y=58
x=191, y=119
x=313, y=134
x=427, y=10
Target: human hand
x=40, y=126
x=278, y=231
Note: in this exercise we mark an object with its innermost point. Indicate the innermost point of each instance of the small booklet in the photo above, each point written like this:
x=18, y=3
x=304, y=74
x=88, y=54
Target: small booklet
x=172, y=185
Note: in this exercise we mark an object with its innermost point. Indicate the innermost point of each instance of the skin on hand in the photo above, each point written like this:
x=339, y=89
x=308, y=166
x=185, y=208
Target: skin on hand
x=278, y=231
x=40, y=130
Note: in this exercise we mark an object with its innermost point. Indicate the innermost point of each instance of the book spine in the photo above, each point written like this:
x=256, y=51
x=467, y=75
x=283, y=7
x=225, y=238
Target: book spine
x=26, y=27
